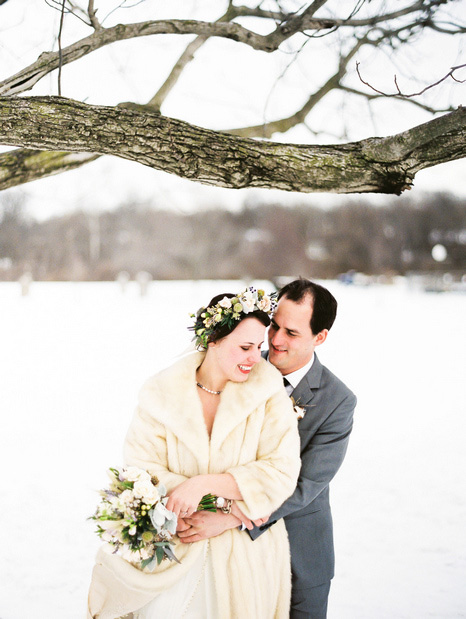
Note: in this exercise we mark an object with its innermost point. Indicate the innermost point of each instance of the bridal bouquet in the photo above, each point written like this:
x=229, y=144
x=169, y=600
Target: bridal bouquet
x=132, y=517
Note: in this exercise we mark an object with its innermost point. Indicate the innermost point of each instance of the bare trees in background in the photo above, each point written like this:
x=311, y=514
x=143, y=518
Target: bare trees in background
x=257, y=242
x=323, y=38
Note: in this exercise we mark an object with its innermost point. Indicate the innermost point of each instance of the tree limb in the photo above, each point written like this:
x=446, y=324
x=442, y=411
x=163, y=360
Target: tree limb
x=382, y=165
x=91, y=11
x=286, y=28
x=49, y=61
x=186, y=57
x=266, y=130
x=24, y=165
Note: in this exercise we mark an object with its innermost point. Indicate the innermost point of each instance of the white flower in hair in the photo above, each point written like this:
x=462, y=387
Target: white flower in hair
x=248, y=301
x=264, y=304
x=225, y=302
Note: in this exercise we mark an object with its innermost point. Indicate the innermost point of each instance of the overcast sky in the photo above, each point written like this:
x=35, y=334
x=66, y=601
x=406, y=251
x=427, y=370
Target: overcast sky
x=227, y=85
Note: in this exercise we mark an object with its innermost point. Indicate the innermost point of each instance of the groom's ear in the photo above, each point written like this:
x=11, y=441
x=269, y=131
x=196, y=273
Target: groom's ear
x=321, y=337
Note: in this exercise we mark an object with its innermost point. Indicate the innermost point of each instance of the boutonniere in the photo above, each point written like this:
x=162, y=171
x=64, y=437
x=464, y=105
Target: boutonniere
x=299, y=410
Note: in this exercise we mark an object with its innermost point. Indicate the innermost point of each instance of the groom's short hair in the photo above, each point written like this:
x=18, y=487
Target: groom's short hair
x=324, y=304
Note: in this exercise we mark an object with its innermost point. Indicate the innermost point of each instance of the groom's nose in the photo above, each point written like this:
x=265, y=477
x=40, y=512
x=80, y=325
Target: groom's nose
x=276, y=338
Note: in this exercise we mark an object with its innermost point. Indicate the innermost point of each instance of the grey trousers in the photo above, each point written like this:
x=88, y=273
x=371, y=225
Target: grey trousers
x=310, y=603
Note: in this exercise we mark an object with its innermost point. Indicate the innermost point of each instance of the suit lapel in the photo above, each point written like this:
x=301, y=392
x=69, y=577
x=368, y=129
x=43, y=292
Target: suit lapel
x=305, y=391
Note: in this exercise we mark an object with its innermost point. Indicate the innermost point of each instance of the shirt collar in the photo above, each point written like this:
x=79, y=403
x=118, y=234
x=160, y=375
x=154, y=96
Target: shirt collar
x=294, y=378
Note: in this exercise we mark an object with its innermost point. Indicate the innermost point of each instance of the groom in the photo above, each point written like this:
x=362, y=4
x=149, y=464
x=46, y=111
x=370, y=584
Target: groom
x=305, y=313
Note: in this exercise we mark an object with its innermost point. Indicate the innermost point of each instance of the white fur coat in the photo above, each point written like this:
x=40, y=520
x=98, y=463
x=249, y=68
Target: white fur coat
x=255, y=438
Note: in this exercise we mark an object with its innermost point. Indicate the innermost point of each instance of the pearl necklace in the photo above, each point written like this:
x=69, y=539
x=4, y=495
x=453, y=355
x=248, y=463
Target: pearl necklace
x=208, y=390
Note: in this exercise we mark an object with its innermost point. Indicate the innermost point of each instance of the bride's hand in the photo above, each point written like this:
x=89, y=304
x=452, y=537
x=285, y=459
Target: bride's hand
x=184, y=499
x=182, y=525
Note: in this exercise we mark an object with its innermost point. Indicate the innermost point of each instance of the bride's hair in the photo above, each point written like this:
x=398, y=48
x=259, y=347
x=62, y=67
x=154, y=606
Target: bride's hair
x=225, y=311
x=225, y=329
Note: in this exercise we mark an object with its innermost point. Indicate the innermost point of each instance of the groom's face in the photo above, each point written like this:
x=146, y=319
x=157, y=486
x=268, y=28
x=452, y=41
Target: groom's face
x=291, y=341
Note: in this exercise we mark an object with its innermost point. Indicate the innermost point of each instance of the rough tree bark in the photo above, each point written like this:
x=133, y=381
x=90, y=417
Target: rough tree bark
x=383, y=165
x=82, y=133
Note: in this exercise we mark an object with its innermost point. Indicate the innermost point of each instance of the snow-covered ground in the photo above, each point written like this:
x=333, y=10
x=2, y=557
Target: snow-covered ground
x=72, y=359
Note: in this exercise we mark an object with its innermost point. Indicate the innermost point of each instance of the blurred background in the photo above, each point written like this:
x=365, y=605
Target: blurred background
x=422, y=239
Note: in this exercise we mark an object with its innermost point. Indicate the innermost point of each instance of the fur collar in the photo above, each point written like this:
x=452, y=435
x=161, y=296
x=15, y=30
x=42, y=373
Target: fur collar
x=171, y=397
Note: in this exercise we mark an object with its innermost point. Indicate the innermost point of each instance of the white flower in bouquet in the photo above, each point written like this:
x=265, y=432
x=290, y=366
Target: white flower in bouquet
x=126, y=497
x=133, y=473
x=163, y=519
x=133, y=519
x=124, y=518
x=147, y=491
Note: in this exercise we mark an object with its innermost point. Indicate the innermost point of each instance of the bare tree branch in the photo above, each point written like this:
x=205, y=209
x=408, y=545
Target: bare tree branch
x=186, y=57
x=384, y=165
x=233, y=12
x=243, y=166
x=283, y=125
x=23, y=165
x=92, y=15
x=371, y=97
x=401, y=95
x=49, y=61
x=418, y=6
x=62, y=16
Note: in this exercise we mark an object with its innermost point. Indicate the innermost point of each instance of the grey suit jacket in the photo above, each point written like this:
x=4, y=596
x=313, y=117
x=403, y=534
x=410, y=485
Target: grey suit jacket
x=324, y=433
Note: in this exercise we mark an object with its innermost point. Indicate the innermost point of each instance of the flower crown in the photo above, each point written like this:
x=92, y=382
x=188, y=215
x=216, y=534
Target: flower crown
x=228, y=310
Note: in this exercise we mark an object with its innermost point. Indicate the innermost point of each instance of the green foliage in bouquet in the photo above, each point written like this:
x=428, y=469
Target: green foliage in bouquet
x=132, y=517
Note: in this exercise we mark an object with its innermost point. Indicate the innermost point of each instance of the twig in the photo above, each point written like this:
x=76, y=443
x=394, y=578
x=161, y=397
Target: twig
x=62, y=16
x=414, y=94
x=122, y=6
x=92, y=15
x=370, y=97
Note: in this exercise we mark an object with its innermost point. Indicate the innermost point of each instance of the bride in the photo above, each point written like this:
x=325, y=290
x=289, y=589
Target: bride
x=218, y=421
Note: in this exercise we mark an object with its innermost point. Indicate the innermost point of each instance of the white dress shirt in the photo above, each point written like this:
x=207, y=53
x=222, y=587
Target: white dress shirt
x=294, y=378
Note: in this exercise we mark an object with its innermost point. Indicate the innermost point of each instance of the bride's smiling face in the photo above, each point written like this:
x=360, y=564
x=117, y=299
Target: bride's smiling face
x=236, y=354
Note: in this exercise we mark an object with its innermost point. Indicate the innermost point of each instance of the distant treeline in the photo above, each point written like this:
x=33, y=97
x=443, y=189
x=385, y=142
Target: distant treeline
x=261, y=241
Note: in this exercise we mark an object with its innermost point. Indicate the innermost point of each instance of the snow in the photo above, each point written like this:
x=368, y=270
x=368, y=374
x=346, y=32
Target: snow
x=73, y=357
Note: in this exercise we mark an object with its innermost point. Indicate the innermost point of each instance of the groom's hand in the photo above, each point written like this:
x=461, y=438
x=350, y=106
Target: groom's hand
x=204, y=525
